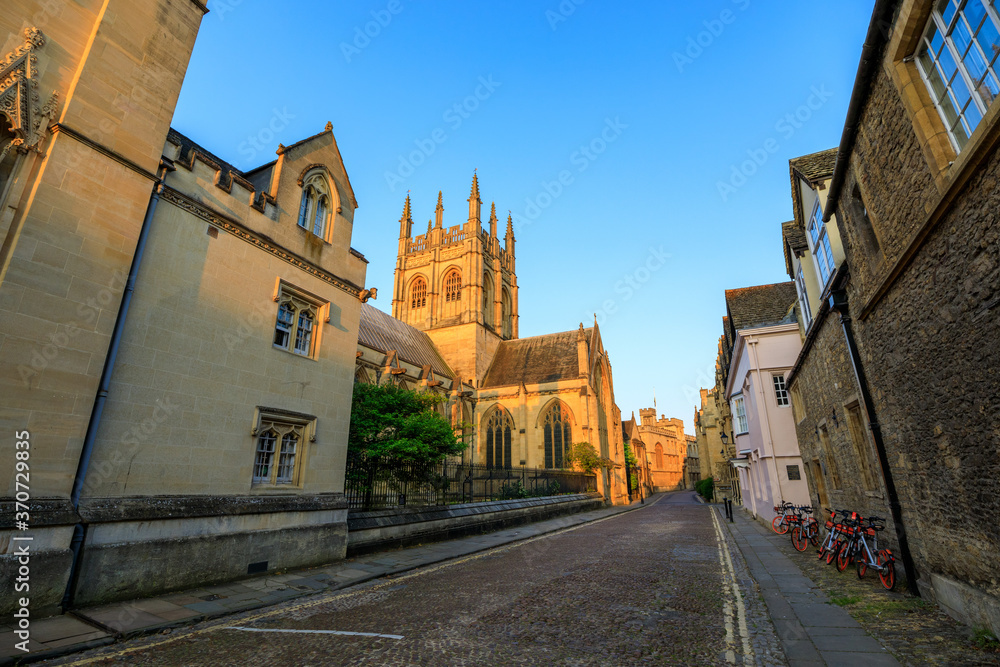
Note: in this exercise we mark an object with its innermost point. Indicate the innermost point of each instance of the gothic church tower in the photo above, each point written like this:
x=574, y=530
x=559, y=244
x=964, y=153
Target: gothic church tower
x=458, y=285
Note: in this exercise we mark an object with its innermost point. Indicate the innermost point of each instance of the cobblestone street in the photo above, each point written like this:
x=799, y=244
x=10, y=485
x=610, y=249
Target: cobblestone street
x=644, y=587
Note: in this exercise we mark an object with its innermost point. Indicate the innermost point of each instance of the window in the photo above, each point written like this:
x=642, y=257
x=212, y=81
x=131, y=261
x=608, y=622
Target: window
x=453, y=286
x=557, y=436
x=280, y=437
x=314, y=209
x=831, y=462
x=957, y=58
x=418, y=294
x=8, y=156
x=863, y=222
x=817, y=475
x=487, y=300
x=497, y=432
x=658, y=456
x=800, y=287
x=780, y=391
x=294, y=326
x=819, y=244
x=855, y=424
x=740, y=416
x=507, y=325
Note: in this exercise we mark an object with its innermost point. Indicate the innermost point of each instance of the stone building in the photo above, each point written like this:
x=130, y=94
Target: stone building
x=631, y=435
x=708, y=425
x=692, y=467
x=528, y=400
x=914, y=192
x=766, y=342
x=666, y=449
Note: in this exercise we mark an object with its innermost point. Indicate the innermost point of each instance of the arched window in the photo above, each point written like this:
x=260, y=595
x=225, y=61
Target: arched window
x=453, y=286
x=418, y=293
x=487, y=299
x=293, y=328
x=497, y=434
x=314, y=209
x=8, y=156
x=658, y=457
x=557, y=435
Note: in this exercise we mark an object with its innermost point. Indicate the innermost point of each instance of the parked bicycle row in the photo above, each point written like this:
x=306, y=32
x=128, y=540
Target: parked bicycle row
x=850, y=539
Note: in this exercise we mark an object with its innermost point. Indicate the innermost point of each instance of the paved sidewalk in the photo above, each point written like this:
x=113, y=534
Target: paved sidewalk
x=91, y=627
x=811, y=629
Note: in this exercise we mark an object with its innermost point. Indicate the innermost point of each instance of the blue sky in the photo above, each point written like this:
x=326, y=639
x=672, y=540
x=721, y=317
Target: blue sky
x=646, y=111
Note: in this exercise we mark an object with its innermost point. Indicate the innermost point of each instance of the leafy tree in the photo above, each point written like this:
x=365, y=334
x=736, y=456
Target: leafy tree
x=584, y=456
x=403, y=424
x=630, y=458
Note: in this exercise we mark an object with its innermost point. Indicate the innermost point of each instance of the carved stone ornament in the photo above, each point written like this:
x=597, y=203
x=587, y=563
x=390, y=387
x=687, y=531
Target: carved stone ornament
x=19, y=100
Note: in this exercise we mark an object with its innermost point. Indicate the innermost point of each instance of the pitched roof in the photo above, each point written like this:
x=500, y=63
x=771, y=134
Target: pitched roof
x=793, y=240
x=383, y=332
x=535, y=360
x=761, y=305
x=815, y=166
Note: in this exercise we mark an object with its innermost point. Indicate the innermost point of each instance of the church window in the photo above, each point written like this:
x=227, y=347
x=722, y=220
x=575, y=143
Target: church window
x=658, y=456
x=507, y=323
x=487, y=300
x=314, y=209
x=418, y=293
x=294, y=326
x=453, y=286
x=280, y=437
x=557, y=435
x=497, y=434
x=8, y=156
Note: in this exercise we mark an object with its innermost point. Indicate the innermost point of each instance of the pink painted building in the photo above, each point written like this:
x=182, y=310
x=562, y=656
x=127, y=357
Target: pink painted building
x=766, y=342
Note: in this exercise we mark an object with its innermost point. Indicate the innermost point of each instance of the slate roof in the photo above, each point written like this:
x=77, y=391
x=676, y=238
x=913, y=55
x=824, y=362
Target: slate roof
x=815, y=166
x=383, y=332
x=187, y=145
x=761, y=305
x=535, y=360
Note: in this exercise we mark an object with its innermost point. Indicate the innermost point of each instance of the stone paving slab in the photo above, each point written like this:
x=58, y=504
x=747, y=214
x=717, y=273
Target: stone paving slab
x=94, y=626
x=811, y=629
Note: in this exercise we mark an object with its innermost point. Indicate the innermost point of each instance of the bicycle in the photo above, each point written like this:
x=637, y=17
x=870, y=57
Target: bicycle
x=828, y=549
x=806, y=530
x=873, y=556
x=780, y=524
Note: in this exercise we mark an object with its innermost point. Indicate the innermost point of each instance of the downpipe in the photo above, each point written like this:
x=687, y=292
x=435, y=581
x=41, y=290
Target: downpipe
x=80, y=529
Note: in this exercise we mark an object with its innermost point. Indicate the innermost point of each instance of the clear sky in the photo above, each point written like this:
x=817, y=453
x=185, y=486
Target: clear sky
x=642, y=109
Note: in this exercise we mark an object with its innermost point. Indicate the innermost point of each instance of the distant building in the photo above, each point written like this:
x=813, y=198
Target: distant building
x=666, y=449
x=692, y=469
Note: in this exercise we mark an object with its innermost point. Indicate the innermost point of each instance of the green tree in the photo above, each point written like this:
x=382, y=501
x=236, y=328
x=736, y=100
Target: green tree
x=403, y=424
x=584, y=456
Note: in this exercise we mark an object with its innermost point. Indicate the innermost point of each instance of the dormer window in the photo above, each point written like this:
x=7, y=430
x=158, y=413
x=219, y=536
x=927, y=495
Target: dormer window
x=314, y=209
x=819, y=245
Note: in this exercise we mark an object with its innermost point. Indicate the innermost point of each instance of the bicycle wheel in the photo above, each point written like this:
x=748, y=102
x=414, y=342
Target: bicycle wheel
x=814, y=532
x=779, y=525
x=845, y=556
x=822, y=551
x=862, y=563
x=831, y=555
x=799, y=539
x=886, y=569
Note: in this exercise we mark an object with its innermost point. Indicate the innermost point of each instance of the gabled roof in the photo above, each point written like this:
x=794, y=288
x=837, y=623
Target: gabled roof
x=761, y=305
x=383, y=332
x=793, y=241
x=535, y=360
x=815, y=166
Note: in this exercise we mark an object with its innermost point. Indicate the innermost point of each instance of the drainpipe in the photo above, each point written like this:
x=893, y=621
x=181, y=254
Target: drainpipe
x=80, y=529
x=838, y=302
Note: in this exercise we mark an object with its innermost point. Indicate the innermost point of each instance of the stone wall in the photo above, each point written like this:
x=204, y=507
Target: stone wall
x=927, y=331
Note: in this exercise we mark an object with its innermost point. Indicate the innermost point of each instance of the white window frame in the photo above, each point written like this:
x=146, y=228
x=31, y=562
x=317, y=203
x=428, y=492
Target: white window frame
x=282, y=462
x=781, y=395
x=819, y=245
x=740, y=422
x=300, y=336
x=939, y=40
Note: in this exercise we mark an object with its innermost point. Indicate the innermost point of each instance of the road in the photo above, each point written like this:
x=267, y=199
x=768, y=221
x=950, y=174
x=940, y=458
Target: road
x=647, y=587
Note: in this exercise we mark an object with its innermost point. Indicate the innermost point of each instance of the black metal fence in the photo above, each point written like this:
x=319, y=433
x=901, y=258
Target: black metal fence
x=380, y=483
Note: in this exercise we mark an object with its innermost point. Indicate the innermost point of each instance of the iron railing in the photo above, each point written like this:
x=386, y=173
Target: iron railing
x=382, y=482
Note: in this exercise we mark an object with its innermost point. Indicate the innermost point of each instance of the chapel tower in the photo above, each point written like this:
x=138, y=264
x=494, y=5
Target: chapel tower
x=458, y=284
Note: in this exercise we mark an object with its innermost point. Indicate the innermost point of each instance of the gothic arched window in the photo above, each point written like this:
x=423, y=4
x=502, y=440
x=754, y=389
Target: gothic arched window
x=506, y=324
x=487, y=299
x=8, y=156
x=658, y=460
x=557, y=435
x=453, y=286
x=314, y=209
x=418, y=293
x=497, y=434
